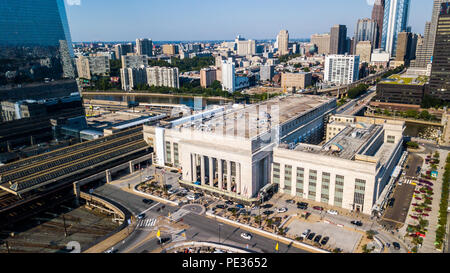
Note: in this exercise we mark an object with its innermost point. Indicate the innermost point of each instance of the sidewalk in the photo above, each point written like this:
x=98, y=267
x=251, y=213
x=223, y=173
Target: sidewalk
x=428, y=242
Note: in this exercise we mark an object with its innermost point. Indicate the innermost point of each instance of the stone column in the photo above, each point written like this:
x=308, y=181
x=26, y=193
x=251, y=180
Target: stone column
x=76, y=191
x=202, y=169
x=220, y=173
x=229, y=175
x=131, y=167
x=108, y=176
x=238, y=178
x=211, y=171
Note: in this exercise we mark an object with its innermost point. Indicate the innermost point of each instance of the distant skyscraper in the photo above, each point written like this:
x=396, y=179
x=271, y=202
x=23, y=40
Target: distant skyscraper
x=30, y=32
x=283, y=42
x=396, y=13
x=322, y=41
x=228, y=75
x=144, y=47
x=366, y=30
x=377, y=16
x=122, y=50
x=364, y=51
x=404, y=47
x=267, y=72
x=425, y=52
x=440, y=72
x=338, y=39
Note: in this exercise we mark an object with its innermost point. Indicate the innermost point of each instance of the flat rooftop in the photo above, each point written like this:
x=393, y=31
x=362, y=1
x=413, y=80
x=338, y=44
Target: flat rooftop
x=346, y=144
x=406, y=80
x=257, y=118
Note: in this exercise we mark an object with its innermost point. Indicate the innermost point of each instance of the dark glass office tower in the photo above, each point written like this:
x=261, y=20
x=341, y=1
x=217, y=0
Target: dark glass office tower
x=35, y=41
x=440, y=72
x=38, y=90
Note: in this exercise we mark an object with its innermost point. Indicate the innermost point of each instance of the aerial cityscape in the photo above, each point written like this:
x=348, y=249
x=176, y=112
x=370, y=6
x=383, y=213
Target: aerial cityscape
x=124, y=134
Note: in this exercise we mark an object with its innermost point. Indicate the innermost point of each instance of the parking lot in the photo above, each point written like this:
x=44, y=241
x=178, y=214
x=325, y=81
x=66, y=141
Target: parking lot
x=340, y=237
x=395, y=216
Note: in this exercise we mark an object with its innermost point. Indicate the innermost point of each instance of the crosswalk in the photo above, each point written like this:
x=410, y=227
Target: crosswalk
x=146, y=223
x=409, y=182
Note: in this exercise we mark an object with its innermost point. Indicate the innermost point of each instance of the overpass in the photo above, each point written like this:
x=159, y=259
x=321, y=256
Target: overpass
x=32, y=184
x=339, y=91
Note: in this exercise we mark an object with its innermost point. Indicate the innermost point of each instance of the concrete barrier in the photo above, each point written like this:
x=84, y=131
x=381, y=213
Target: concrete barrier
x=208, y=244
x=268, y=234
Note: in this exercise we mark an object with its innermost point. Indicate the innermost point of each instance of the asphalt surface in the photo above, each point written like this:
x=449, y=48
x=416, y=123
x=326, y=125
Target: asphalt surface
x=201, y=227
x=414, y=161
x=396, y=215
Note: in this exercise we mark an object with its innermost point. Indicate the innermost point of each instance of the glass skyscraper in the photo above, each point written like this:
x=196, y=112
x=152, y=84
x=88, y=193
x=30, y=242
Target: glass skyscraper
x=35, y=41
x=396, y=13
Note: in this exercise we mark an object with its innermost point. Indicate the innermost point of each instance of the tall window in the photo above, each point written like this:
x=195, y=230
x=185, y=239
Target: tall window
x=276, y=173
x=175, y=154
x=339, y=191
x=325, y=195
x=168, y=152
x=300, y=181
x=288, y=177
x=312, y=184
x=360, y=188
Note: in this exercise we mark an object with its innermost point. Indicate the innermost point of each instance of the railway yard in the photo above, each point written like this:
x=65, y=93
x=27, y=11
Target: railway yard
x=34, y=184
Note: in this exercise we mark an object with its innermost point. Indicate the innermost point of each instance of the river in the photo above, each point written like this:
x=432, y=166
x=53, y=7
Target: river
x=194, y=103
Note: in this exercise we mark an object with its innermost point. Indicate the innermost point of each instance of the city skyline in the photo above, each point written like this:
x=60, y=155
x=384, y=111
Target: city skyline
x=151, y=20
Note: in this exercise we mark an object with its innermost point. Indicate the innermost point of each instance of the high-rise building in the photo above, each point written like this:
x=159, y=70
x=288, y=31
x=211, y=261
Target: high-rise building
x=170, y=50
x=338, y=39
x=122, y=50
x=133, y=77
x=440, y=71
x=366, y=30
x=322, y=41
x=228, y=75
x=144, y=47
x=134, y=61
x=425, y=52
x=32, y=32
x=283, y=42
x=245, y=48
x=341, y=69
x=364, y=51
x=266, y=72
x=396, y=13
x=378, y=16
x=163, y=76
x=404, y=47
x=90, y=66
x=207, y=77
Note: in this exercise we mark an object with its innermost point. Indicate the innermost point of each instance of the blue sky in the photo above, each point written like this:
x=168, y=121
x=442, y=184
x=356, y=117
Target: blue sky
x=119, y=20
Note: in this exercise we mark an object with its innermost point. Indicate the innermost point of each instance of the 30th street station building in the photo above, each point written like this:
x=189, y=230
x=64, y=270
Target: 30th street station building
x=265, y=144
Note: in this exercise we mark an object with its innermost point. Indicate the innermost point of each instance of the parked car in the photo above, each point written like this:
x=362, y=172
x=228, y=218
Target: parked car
x=268, y=212
x=246, y=236
x=230, y=203
x=290, y=201
x=311, y=236
x=240, y=206
x=305, y=234
x=318, y=208
x=281, y=210
x=149, y=177
x=325, y=241
x=198, y=183
x=396, y=245
x=303, y=206
x=219, y=206
x=147, y=201
x=255, y=208
x=317, y=239
x=357, y=223
x=172, y=191
x=191, y=197
x=332, y=212
x=267, y=206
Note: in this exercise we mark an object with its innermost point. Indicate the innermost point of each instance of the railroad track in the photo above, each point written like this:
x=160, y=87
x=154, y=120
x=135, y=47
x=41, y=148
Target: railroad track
x=28, y=162
x=61, y=160
x=84, y=163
